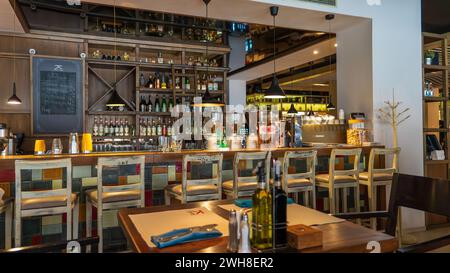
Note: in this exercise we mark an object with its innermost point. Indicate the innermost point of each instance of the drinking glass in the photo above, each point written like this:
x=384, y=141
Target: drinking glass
x=57, y=147
x=86, y=144
x=39, y=147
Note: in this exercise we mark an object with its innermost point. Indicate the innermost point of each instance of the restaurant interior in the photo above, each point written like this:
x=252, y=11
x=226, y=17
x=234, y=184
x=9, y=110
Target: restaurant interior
x=211, y=126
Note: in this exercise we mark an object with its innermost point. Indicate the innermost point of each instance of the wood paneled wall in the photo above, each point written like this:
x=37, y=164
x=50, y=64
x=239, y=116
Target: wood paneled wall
x=18, y=117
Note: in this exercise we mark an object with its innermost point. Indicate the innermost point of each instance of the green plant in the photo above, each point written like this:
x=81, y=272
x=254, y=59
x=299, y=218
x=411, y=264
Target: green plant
x=430, y=54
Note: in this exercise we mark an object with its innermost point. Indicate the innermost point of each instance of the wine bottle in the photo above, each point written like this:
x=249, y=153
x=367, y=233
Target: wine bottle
x=280, y=208
x=127, y=128
x=160, y=58
x=159, y=128
x=157, y=106
x=142, y=105
x=149, y=104
x=164, y=104
x=261, y=213
x=95, y=128
x=142, y=80
x=101, y=128
x=157, y=81
x=142, y=128
x=149, y=128
x=105, y=128
x=187, y=85
x=163, y=82
x=116, y=128
x=150, y=83
x=153, y=128
x=170, y=104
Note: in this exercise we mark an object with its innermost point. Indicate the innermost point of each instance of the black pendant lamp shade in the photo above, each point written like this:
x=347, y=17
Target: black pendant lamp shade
x=275, y=91
x=115, y=100
x=331, y=106
x=292, y=110
x=14, y=99
x=209, y=101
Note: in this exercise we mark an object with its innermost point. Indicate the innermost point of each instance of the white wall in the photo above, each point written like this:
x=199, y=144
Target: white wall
x=238, y=88
x=394, y=52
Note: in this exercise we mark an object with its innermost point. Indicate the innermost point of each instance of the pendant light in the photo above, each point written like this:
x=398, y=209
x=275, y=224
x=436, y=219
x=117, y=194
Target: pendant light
x=208, y=100
x=311, y=112
x=115, y=100
x=274, y=91
x=329, y=18
x=292, y=110
x=14, y=99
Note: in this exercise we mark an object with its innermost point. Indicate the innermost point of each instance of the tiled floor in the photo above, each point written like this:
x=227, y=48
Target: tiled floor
x=436, y=233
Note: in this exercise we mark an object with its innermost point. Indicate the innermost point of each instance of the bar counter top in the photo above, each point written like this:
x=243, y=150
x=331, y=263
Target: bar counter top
x=7, y=162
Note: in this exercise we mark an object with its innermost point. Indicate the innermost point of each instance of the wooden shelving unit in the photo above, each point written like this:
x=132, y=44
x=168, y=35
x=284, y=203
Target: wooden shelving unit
x=436, y=112
x=101, y=79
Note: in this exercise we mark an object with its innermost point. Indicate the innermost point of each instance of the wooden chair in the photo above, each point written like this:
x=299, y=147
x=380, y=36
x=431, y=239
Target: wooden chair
x=6, y=206
x=301, y=182
x=114, y=197
x=192, y=190
x=375, y=178
x=344, y=180
x=415, y=192
x=245, y=186
x=47, y=202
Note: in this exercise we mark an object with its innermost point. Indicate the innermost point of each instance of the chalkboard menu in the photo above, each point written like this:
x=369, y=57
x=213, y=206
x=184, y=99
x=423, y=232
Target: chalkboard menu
x=57, y=96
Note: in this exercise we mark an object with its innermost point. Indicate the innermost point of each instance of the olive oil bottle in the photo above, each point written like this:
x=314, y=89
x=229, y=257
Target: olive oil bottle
x=280, y=208
x=261, y=237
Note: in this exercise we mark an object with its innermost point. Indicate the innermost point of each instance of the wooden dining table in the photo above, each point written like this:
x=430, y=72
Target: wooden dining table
x=342, y=237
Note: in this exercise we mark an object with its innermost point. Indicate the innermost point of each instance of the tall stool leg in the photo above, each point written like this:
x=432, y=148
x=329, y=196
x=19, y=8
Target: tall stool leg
x=18, y=229
x=306, y=200
x=331, y=192
x=88, y=222
x=100, y=229
x=357, y=204
x=388, y=195
x=344, y=200
x=338, y=201
x=313, y=193
x=76, y=215
x=8, y=226
x=69, y=224
x=370, y=191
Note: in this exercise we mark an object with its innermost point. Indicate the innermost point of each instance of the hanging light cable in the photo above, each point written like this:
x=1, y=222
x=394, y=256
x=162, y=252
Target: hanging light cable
x=329, y=18
x=274, y=91
x=115, y=100
x=14, y=99
x=207, y=99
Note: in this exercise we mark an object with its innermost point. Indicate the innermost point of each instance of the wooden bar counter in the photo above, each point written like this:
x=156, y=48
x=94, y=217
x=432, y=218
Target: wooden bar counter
x=7, y=162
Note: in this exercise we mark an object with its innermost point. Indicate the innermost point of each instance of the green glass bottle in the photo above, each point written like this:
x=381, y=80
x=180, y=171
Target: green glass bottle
x=261, y=237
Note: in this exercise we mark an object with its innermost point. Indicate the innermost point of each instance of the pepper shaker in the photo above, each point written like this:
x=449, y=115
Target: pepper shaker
x=244, y=246
x=233, y=232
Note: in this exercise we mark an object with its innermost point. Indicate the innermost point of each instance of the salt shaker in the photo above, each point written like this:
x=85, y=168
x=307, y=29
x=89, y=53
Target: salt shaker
x=233, y=232
x=244, y=246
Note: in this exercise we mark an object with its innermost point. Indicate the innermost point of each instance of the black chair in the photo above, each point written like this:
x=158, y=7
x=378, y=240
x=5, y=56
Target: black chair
x=54, y=247
x=415, y=192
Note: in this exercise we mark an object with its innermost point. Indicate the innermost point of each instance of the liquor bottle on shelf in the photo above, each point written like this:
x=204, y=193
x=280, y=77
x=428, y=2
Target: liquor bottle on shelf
x=199, y=85
x=170, y=104
x=149, y=104
x=157, y=81
x=157, y=105
x=177, y=83
x=116, y=127
x=210, y=83
x=164, y=128
x=105, y=128
x=187, y=84
x=153, y=128
x=142, y=128
x=204, y=83
x=142, y=80
x=215, y=83
x=126, y=129
x=164, y=104
x=142, y=105
x=149, y=128
x=261, y=213
x=160, y=58
x=163, y=81
x=170, y=84
x=150, y=82
x=101, y=129
x=121, y=128
x=169, y=129
x=159, y=128
x=280, y=208
x=95, y=128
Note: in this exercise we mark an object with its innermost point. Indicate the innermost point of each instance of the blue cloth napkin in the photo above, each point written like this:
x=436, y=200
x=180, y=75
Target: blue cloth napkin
x=248, y=203
x=194, y=236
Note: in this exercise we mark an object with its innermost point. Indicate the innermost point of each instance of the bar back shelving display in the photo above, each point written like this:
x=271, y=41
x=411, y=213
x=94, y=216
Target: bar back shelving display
x=144, y=74
x=436, y=112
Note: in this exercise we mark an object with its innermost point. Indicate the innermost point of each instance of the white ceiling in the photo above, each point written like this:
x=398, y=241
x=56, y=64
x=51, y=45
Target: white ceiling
x=7, y=18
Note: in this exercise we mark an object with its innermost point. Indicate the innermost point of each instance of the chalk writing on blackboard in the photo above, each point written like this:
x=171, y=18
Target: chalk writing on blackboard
x=58, y=93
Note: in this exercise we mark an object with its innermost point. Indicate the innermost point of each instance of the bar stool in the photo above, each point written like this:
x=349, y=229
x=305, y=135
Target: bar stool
x=6, y=207
x=114, y=197
x=46, y=202
x=245, y=186
x=379, y=177
x=192, y=190
x=344, y=180
x=301, y=182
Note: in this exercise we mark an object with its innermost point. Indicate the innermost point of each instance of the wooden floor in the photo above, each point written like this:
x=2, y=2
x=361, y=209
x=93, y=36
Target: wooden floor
x=431, y=234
